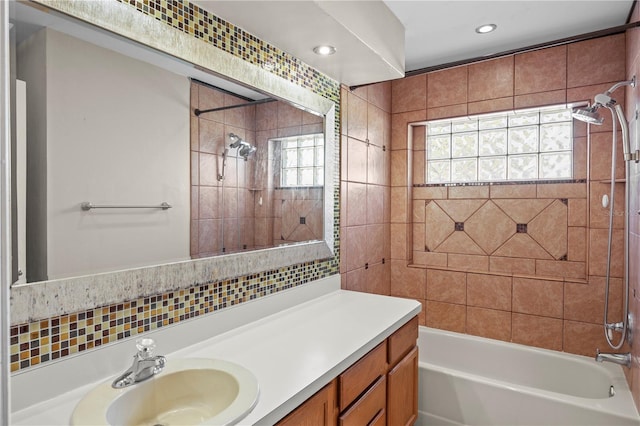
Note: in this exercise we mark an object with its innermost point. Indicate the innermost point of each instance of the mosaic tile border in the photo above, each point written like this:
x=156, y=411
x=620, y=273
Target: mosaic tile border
x=520, y=182
x=199, y=23
x=53, y=338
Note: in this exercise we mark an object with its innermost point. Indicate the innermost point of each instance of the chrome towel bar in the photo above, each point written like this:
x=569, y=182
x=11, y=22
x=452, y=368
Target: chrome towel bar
x=88, y=206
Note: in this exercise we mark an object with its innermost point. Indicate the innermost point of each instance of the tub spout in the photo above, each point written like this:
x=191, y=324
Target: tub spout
x=622, y=359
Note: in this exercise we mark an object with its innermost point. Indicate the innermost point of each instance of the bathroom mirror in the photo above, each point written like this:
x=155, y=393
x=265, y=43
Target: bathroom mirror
x=128, y=109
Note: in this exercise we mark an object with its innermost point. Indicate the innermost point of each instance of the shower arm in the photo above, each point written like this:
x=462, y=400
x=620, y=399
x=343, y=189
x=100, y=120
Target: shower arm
x=616, y=86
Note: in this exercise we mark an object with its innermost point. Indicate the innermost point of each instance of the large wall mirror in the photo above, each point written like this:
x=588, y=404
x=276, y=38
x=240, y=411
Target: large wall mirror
x=157, y=151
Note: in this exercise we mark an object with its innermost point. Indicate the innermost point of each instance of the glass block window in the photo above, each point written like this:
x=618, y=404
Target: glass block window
x=532, y=144
x=302, y=160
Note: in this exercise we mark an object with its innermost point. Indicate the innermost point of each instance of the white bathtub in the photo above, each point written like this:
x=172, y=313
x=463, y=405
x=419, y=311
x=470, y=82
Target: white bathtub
x=468, y=380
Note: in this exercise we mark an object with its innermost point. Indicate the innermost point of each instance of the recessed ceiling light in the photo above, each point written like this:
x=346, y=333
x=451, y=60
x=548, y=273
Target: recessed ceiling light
x=324, y=50
x=487, y=28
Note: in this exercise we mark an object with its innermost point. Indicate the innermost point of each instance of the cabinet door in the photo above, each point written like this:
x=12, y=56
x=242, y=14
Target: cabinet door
x=369, y=409
x=319, y=410
x=402, y=391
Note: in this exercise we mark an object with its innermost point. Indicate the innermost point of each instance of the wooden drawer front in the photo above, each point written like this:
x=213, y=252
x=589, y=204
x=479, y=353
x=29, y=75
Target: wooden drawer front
x=402, y=341
x=402, y=397
x=357, y=378
x=370, y=408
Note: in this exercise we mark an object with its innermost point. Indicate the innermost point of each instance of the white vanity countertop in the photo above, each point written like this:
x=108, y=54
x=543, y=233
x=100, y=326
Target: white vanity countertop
x=293, y=353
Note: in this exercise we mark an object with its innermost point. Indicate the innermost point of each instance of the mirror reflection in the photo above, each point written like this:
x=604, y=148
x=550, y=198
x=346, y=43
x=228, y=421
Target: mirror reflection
x=119, y=129
x=256, y=173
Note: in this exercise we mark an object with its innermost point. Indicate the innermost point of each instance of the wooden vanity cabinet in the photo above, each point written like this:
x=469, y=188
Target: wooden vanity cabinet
x=369, y=409
x=381, y=388
x=362, y=389
x=402, y=378
x=319, y=410
x=402, y=385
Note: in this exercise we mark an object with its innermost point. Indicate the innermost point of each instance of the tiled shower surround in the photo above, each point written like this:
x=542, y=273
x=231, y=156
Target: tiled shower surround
x=492, y=288
x=47, y=339
x=247, y=209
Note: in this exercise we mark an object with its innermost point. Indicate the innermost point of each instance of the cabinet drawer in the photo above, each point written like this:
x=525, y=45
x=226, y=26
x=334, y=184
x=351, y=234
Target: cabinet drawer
x=370, y=408
x=402, y=341
x=357, y=378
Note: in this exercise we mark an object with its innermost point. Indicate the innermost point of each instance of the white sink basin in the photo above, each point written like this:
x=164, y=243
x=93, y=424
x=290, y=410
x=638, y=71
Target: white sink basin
x=189, y=391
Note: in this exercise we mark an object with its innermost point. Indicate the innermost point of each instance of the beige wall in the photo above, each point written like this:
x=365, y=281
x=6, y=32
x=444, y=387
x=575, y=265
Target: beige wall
x=106, y=147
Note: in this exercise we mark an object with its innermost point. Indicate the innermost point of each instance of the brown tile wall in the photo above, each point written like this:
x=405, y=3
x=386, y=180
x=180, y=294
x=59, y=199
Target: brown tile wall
x=544, y=302
x=365, y=180
x=278, y=212
x=222, y=214
x=632, y=102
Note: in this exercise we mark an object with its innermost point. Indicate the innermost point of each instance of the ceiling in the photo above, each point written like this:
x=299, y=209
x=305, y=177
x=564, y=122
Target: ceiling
x=368, y=36
x=440, y=32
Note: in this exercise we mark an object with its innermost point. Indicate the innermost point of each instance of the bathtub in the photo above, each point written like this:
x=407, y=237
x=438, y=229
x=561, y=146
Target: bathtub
x=468, y=380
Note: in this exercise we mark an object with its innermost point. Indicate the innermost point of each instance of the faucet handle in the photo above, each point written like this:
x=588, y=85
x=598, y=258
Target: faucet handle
x=145, y=347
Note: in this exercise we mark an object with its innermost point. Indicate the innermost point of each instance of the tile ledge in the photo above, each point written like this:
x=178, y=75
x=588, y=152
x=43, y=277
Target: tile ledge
x=503, y=274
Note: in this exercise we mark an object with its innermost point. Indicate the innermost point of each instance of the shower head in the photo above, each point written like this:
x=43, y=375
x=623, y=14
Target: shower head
x=236, y=140
x=588, y=115
x=246, y=150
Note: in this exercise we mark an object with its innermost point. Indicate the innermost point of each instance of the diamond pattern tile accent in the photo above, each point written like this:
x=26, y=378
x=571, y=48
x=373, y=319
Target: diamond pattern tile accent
x=438, y=226
x=490, y=227
x=460, y=210
x=296, y=229
x=522, y=211
x=549, y=229
x=522, y=246
x=461, y=243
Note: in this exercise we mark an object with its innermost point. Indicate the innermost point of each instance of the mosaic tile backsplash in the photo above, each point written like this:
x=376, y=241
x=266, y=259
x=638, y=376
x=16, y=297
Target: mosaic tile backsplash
x=41, y=341
x=53, y=338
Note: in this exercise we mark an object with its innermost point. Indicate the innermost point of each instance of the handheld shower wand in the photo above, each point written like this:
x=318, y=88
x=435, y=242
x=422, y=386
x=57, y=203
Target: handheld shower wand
x=590, y=115
x=224, y=164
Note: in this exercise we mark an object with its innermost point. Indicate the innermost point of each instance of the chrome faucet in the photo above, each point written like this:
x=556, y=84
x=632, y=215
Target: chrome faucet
x=144, y=365
x=622, y=359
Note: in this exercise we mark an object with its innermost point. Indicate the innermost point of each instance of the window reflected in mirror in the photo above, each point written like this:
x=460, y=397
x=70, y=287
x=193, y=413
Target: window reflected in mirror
x=256, y=173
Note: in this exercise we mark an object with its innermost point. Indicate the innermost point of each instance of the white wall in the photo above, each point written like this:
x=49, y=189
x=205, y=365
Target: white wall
x=31, y=67
x=117, y=132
